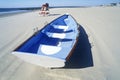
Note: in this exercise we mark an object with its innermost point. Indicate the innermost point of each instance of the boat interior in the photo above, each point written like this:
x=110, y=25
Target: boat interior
x=55, y=39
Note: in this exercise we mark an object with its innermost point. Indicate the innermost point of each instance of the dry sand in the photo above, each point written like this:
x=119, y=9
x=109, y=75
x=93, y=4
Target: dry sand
x=97, y=56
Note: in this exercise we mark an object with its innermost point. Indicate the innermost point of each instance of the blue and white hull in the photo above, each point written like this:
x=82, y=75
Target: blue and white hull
x=51, y=46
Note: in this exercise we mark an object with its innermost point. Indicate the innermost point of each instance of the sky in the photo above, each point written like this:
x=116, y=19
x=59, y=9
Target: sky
x=38, y=3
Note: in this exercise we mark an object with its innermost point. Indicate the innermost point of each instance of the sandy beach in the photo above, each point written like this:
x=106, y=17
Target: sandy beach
x=97, y=56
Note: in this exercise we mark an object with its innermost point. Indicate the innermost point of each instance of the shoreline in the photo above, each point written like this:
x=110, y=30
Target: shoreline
x=12, y=13
x=16, y=11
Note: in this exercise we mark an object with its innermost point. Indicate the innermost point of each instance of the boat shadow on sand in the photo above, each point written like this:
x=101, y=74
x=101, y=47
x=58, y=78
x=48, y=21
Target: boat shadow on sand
x=82, y=55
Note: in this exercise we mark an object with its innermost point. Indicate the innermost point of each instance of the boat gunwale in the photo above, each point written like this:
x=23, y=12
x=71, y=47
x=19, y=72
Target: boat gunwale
x=35, y=33
x=72, y=49
x=75, y=44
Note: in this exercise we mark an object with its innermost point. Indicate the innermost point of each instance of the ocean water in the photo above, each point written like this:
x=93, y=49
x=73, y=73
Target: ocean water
x=5, y=13
x=11, y=11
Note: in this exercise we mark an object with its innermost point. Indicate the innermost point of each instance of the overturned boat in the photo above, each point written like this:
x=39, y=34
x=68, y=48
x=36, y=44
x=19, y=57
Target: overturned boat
x=51, y=46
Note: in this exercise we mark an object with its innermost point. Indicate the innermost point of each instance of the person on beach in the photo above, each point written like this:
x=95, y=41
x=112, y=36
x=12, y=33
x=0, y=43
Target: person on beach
x=47, y=8
x=44, y=9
